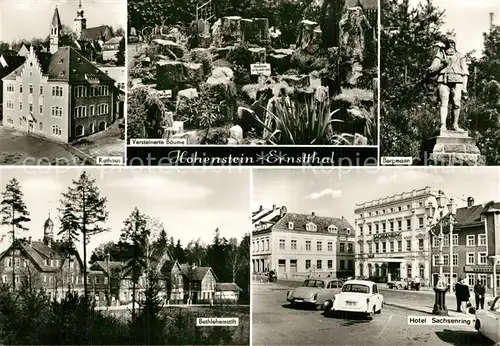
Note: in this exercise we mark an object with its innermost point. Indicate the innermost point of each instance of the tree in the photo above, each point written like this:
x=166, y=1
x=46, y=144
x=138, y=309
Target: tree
x=14, y=214
x=100, y=252
x=84, y=210
x=179, y=253
x=4, y=46
x=217, y=256
x=161, y=243
x=235, y=257
x=196, y=252
x=120, y=55
x=136, y=234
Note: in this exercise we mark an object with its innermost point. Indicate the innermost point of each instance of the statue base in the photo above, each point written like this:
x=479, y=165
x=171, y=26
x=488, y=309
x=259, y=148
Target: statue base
x=454, y=148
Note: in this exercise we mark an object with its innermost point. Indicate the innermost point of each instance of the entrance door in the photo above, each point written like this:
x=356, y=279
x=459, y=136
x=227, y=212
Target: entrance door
x=195, y=297
x=30, y=126
x=293, y=266
x=281, y=266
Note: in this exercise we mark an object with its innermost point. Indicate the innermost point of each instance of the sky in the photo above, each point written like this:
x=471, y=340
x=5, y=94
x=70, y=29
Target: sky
x=335, y=193
x=469, y=19
x=27, y=19
x=191, y=203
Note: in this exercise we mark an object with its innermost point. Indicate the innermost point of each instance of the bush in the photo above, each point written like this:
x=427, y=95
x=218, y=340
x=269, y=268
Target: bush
x=204, y=57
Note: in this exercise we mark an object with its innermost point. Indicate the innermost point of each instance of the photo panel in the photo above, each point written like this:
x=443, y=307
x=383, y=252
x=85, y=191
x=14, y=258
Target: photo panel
x=82, y=263
x=347, y=256
x=62, y=82
x=251, y=83
x=440, y=83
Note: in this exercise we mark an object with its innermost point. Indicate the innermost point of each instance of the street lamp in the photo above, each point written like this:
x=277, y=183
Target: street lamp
x=440, y=287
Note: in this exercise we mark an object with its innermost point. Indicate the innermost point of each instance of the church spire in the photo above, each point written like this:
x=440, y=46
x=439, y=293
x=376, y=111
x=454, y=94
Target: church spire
x=55, y=31
x=80, y=23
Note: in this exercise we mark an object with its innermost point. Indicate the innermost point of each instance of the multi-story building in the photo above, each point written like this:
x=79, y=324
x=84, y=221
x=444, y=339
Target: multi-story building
x=469, y=248
x=392, y=239
x=117, y=73
x=47, y=264
x=61, y=96
x=100, y=33
x=111, y=48
x=298, y=245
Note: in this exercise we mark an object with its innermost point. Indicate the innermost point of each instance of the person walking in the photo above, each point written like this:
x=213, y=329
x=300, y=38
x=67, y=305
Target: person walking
x=465, y=296
x=479, y=291
x=417, y=283
x=458, y=292
x=462, y=295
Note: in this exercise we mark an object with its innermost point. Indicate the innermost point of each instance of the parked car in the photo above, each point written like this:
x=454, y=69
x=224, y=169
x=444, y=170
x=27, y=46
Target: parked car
x=314, y=291
x=378, y=279
x=356, y=296
x=398, y=284
x=488, y=321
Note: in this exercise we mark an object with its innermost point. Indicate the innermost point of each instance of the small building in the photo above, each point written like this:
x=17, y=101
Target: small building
x=117, y=73
x=227, y=292
x=111, y=48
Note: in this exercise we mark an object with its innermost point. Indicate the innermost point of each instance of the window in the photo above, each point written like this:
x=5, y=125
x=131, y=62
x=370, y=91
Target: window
x=470, y=258
x=41, y=89
x=308, y=264
x=31, y=107
x=81, y=91
x=470, y=280
x=392, y=246
x=20, y=105
x=455, y=259
x=435, y=241
x=400, y=246
x=400, y=225
x=106, y=280
x=293, y=245
x=421, y=245
x=31, y=88
x=10, y=104
x=329, y=264
x=330, y=246
x=56, y=130
x=41, y=110
x=20, y=88
x=350, y=248
x=408, y=245
x=482, y=258
x=384, y=247
x=408, y=223
x=319, y=264
x=97, y=280
x=421, y=222
x=446, y=241
x=45, y=278
x=342, y=264
x=369, y=229
x=309, y=227
x=57, y=91
x=80, y=112
x=446, y=260
x=482, y=278
x=319, y=246
x=455, y=239
x=282, y=244
x=10, y=88
x=46, y=262
x=435, y=260
x=342, y=247
x=91, y=110
x=391, y=226
x=308, y=245
x=10, y=120
x=290, y=225
x=383, y=227
x=377, y=247
x=481, y=239
x=377, y=226
x=471, y=240
x=57, y=112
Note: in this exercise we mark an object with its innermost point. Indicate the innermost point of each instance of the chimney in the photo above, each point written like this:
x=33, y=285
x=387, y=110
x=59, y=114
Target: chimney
x=313, y=213
x=283, y=211
x=274, y=207
x=470, y=202
x=261, y=208
x=492, y=19
x=29, y=240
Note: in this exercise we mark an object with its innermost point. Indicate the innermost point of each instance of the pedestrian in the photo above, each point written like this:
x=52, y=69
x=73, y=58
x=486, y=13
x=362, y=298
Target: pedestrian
x=479, y=291
x=459, y=292
x=417, y=283
x=464, y=296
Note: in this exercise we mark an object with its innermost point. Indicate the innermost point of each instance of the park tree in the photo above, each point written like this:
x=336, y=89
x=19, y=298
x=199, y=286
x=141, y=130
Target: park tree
x=120, y=55
x=83, y=210
x=14, y=215
x=136, y=234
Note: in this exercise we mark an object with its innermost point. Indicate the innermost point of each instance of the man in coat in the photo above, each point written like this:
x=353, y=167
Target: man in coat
x=479, y=291
x=462, y=294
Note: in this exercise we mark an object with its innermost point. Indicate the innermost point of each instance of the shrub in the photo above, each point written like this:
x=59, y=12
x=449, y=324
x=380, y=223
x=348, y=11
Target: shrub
x=204, y=57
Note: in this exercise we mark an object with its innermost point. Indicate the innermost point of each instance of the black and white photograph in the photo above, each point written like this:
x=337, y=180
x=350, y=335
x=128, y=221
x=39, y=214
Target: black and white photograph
x=114, y=256
x=380, y=256
x=440, y=82
x=253, y=72
x=62, y=82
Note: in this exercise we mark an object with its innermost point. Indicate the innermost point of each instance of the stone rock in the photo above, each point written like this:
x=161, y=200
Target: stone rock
x=279, y=62
x=258, y=55
x=185, y=96
x=222, y=53
x=230, y=31
x=247, y=30
x=236, y=132
x=261, y=31
x=217, y=34
x=221, y=75
x=258, y=142
x=232, y=141
x=309, y=36
x=167, y=46
x=360, y=139
x=457, y=159
x=301, y=81
x=175, y=74
x=146, y=62
x=355, y=35
x=191, y=137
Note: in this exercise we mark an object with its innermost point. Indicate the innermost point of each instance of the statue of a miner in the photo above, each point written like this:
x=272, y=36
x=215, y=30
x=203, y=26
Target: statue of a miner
x=452, y=72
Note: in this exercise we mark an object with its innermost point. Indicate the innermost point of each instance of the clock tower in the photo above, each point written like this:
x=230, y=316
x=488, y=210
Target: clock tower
x=80, y=22
x=55, y=31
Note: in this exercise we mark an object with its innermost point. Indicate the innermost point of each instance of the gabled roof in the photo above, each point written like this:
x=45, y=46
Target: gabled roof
x=38, y=252
x=366, y=4
x=301, y=220
x=227, y=286
x=96, y=33
x=12, y=62
x=56, y=20
x=196, y=273
x=114, y=40
x=112, y=268
x=471, y=216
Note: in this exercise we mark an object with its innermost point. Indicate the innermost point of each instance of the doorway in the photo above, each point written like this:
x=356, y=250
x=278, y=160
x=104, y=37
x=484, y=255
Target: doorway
x=30, y=126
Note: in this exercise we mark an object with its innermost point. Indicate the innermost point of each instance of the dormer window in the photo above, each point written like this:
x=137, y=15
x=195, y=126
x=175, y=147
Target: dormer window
x=348, y=230
x=290, y=225
x=60, y=61
x=332, y=229
x=310, y=227
x=61, y=74
x=46, y=262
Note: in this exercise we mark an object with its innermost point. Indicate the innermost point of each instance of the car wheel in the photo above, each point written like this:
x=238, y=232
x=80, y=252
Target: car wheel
x=380, y=310
x=371, y=314
x=400, y=287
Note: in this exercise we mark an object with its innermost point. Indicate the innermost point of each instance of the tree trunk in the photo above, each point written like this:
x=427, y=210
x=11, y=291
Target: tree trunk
x=133, y=295
x=13, y=250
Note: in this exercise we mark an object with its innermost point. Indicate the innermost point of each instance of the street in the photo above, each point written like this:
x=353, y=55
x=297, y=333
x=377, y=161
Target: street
x=276, y=323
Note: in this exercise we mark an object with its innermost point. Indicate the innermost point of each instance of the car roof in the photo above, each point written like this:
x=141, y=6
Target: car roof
x=323, y=279
x=359, y=282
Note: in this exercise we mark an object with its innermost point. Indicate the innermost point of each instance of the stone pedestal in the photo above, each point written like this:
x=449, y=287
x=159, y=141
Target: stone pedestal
x=453, y=148
x=440, y=302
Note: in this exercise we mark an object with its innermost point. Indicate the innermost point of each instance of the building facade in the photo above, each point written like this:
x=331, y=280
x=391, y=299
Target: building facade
x=300, y=245
x=469, y=249
x=111, y=48
x=392, y=239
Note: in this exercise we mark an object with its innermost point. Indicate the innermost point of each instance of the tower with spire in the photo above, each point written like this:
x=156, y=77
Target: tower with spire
x=55, y=31
x=80, y=22
x=48, y=231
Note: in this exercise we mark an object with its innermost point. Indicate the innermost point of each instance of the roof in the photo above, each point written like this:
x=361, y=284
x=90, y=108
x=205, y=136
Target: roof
x=114, y=40
x=472, y=216
x=366, y=4
x=322, y=222
x=38, y=252
x=110, y=268
x=227, y=286
x=12, y=63
x=95, y=33
x=56, y=20
x=68, y=65
x=359, y=282
x=196, y=273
